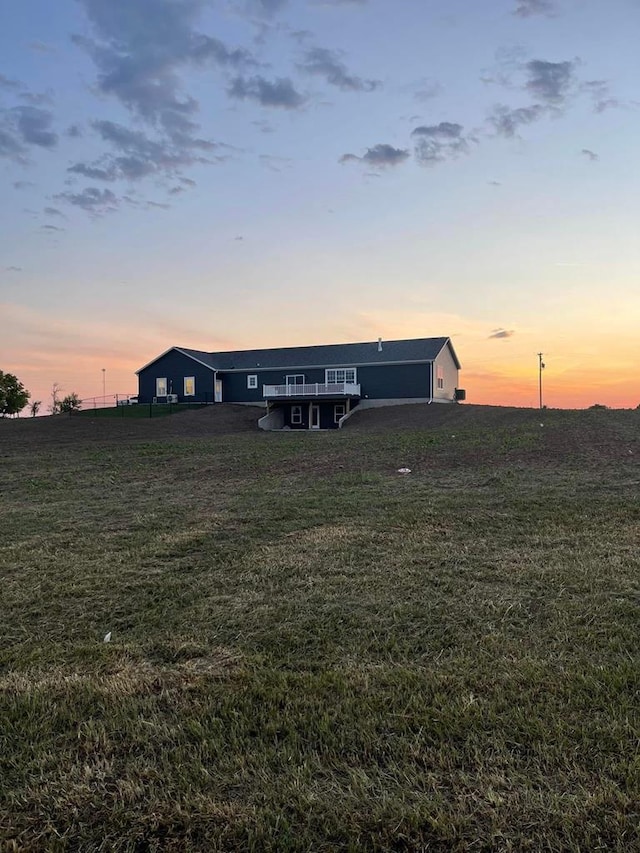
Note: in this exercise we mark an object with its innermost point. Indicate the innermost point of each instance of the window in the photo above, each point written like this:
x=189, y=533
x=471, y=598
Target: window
x=161, y=387
x=340, y=374
x=189, y=386
x=440, y=377
x=339, y=411
x=252, y=381
x=296, y=414
x=295, y=379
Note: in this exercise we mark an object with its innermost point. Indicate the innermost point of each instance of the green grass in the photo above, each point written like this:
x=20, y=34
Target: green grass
x=138, y=410
x=311, y=652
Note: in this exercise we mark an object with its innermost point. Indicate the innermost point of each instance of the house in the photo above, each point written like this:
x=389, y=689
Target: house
x=315, y=387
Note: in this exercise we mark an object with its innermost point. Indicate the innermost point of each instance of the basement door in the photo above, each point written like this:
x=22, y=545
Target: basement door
x=314, y=420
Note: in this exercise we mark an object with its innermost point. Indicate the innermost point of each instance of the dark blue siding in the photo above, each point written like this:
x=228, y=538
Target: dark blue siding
x=175, y=366
x=327, y=414
x=378, y=382
x=387, y=382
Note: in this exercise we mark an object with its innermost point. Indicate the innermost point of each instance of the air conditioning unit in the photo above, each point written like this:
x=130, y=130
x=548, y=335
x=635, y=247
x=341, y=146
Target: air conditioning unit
x=460, y=394
x=172, y=398
x=155, y=400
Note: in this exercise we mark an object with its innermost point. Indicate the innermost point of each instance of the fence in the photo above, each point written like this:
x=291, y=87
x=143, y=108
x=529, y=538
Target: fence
x=108, y=401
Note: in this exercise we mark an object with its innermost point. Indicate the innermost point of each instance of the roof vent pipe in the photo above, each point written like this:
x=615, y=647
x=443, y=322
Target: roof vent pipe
x=379, y=344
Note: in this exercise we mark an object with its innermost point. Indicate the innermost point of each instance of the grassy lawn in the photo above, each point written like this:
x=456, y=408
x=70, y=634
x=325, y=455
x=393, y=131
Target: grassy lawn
x=312, y=652
x=139, y=410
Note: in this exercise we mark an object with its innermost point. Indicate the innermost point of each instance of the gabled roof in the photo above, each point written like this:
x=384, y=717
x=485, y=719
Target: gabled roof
x=339, y=355
x=204, y=358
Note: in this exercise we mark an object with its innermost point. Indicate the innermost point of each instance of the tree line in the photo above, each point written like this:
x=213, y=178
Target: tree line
x=14, y=397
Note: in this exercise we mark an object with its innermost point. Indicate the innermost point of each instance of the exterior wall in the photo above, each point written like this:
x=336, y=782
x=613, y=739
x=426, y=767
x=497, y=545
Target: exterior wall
x=174, y=366
x=281, y=416
x=381, y=382
x=234, y=385
x=274, y=420
x=446, y=362
x=376, y=381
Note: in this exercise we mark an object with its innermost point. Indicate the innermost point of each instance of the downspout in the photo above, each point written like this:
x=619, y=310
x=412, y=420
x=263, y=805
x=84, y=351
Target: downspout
x=430, y=401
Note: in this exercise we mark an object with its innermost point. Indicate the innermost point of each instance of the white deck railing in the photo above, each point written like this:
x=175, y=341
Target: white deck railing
x=313, y=389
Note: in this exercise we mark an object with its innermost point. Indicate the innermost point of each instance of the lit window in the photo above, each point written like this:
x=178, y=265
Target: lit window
x=440, y=376
x=189, y=386
x=296, y=414
x=161, y=387
x=339, y=411
x=252, y=381
x=340, y=374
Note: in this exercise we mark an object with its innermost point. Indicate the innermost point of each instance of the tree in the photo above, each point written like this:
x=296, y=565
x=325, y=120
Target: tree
x=54, y=407
x=34, y=408
x=13, y=395
x=71, y=403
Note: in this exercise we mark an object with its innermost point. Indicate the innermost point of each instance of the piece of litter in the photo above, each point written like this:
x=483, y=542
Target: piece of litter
x=404, y=470
x=107, y=637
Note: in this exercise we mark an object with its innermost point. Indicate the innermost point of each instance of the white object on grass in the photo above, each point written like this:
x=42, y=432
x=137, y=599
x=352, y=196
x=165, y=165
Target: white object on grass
x=107, y=637
x=404, y=470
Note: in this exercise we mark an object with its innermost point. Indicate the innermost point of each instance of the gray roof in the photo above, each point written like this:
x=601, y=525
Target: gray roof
x=328, y=355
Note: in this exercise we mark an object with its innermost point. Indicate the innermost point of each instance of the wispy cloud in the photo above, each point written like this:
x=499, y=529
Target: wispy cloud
x=551, y=82
x=329, y=65
x=530, y=8
x=13, y=269
x=506, y=120
x=600, y=94
x=140, y=156
x=279, y=93
x=141, y=49
x=92, y=200
x=23, y=127
x=142, y=52
x=380, y=156
x=439, y=142
x=591, y=155
x=502, y=334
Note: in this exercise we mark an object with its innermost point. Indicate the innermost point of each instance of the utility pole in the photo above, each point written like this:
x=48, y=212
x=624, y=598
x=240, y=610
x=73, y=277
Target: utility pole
x=540, y=369
x=104, y=384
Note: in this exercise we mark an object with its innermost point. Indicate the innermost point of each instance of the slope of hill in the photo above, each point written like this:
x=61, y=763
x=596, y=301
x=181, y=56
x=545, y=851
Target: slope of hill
x=312, y=651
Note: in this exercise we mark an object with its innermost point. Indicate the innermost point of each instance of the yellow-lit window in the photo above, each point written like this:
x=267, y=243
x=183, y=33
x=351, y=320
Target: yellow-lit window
x=189, y=386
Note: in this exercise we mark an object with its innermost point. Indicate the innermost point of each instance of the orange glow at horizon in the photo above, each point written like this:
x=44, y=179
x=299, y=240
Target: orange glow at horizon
x=494, y=372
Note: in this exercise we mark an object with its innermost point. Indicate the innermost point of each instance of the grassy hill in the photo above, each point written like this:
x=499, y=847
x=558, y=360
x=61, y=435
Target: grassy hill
x=311, y=651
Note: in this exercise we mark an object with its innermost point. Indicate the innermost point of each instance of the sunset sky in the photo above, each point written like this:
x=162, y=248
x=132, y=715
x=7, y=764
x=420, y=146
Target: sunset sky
x=248, y=173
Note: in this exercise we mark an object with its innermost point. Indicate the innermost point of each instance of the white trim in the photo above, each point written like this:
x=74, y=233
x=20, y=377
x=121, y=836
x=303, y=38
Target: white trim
x=312, y=407
x=335, y=379
x=252, y=381
x=297, y=414
x=456, y=361
x=336, y=417
x=184, y=386
x=289, y=376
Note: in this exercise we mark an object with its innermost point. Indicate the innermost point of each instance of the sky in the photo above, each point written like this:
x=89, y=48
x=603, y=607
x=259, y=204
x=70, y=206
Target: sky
x=231, y=174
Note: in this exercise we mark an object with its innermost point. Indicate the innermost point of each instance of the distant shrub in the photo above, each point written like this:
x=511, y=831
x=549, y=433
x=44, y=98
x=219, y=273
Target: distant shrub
x=71, y=403
x=599, y=407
